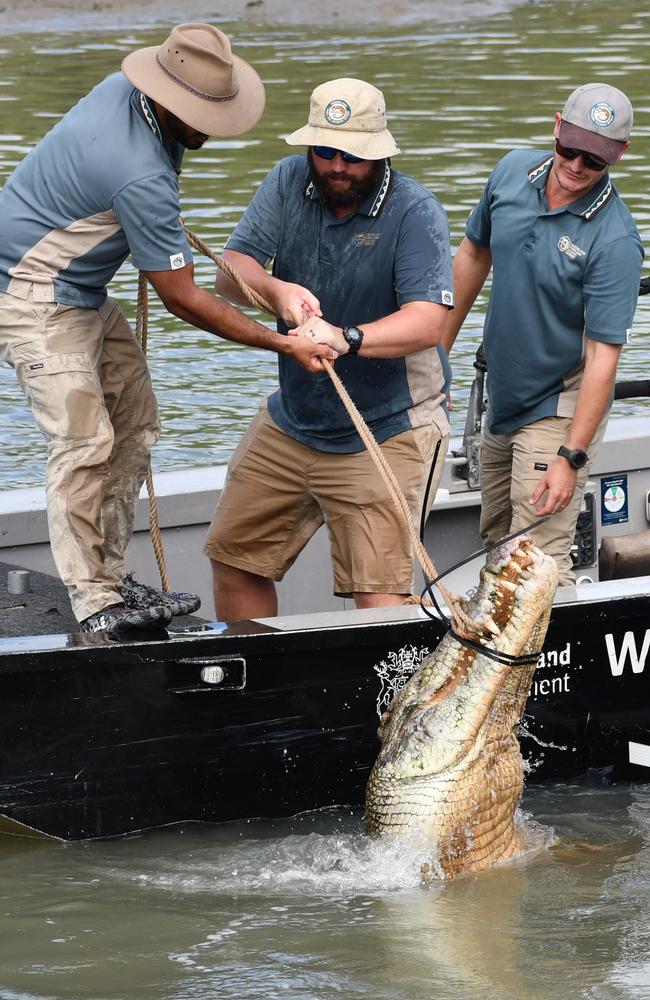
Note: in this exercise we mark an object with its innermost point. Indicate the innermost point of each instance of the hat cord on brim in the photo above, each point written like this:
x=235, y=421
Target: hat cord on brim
x=193, y=90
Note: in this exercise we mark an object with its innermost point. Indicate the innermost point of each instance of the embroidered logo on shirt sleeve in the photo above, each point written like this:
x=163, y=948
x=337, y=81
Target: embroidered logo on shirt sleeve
x=176, y=260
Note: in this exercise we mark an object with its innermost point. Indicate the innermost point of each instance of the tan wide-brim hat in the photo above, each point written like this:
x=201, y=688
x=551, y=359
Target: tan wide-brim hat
x=195, y=75
x=349, y=115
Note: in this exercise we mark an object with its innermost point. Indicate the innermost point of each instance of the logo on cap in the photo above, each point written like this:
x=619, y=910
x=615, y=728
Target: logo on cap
x=338, y=112
x=602, y=114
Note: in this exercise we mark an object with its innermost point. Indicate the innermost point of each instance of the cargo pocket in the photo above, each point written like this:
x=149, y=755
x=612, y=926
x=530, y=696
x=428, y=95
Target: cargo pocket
x=63, y=391
x=536, y=465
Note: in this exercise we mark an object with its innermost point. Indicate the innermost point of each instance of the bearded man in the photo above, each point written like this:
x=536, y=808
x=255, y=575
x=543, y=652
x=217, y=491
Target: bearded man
x=361, y=260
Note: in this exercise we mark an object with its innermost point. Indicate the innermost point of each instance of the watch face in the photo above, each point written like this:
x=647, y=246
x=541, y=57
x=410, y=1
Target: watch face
x=576, y=457
x=354, y=337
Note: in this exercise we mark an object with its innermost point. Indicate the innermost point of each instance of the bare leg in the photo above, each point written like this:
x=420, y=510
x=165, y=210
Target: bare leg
x=378, y=600
x=239, y=595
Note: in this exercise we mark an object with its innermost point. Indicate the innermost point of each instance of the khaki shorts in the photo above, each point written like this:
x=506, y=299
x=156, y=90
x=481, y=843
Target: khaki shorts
x=278, y=492
x=511, y=467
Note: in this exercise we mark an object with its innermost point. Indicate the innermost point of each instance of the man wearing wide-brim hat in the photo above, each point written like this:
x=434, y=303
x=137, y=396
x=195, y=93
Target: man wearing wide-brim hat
x=101, y=185
x=566, y=259
x=362, y=250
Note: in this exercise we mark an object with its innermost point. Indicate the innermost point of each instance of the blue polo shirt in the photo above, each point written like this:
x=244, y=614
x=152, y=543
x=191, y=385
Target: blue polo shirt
x=394, y=249
x=97, y=187
x=558, y=276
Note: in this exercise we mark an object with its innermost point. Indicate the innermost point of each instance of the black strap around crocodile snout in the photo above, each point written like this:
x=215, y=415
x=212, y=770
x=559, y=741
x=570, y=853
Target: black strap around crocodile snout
x=528, y=659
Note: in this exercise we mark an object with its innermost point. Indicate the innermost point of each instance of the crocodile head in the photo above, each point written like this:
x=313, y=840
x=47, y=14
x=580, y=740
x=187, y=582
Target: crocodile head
x=450, y=770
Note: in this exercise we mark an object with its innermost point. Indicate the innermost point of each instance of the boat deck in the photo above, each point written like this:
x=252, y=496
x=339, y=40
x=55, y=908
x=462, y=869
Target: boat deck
x=45, y=609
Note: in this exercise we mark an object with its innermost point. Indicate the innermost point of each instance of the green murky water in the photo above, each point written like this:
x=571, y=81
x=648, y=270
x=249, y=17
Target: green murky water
x=459, y=95
x=311, y=910
x=314, y=910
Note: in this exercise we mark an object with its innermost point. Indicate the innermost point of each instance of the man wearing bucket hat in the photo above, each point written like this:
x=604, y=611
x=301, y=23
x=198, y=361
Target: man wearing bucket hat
x=101, y=185
x=363, y=252
x=566, y=260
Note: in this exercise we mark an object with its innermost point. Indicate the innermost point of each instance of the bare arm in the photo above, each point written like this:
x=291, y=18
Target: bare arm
x=594, y=395
x=601, y=361
x=472, y=265
x=290, y=301
x=414, y=327
x=182, y=297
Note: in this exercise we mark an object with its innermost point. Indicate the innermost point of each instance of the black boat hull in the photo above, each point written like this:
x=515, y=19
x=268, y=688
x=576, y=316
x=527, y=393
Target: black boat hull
x=101, y=738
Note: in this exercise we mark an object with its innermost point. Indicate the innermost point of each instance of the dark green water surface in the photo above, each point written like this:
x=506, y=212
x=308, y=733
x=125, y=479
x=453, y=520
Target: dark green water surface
x=315, y=910
x=459, y=96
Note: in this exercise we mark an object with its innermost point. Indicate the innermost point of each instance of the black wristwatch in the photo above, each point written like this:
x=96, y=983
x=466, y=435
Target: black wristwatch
x=576, y=457
x=353, y=337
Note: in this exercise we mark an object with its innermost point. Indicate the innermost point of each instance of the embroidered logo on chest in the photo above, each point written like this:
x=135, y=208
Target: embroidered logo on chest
x=571, y=249
x=365, y=239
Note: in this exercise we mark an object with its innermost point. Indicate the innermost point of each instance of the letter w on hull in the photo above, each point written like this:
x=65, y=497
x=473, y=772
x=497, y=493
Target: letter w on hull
x=628, y=648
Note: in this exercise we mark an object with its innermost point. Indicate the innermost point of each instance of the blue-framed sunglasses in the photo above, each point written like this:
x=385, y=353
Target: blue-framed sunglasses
x=328, y=153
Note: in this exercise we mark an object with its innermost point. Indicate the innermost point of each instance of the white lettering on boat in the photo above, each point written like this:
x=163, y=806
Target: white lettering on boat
x=555, y=657
x=552, y=685
x=628, y=647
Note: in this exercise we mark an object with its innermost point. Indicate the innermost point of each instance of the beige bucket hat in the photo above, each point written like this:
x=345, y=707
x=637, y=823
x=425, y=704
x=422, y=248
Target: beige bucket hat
x=349, y=115
x=195, y=75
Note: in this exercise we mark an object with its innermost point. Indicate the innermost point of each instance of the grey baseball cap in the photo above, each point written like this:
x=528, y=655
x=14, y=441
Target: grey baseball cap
x=597, y=118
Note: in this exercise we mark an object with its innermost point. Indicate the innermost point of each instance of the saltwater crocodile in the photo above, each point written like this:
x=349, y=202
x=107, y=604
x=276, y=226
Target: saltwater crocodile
x=450, y=769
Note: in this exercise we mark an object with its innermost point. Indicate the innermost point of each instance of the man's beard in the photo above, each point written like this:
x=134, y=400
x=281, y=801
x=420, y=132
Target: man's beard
x=356, y=192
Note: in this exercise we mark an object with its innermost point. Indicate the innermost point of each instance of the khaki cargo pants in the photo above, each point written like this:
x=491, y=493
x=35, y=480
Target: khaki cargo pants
x=87, y=383
x=511, y=467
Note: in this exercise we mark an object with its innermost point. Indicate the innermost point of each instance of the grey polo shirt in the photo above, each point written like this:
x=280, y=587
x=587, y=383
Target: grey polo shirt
x=97, y=187
x=395, y=249
x=558, y=277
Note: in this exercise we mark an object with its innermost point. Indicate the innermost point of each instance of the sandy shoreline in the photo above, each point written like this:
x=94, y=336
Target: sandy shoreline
x=35, y=16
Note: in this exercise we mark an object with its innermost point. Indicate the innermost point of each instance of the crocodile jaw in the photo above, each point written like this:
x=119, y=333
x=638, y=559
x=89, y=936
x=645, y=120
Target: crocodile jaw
x=450, y=769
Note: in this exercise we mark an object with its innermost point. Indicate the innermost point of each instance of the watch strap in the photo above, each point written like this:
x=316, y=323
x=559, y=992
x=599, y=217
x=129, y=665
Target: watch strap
x=576, y=457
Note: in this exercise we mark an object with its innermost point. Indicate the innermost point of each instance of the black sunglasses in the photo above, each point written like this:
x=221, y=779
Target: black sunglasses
x=328, y=153
x=590, y=161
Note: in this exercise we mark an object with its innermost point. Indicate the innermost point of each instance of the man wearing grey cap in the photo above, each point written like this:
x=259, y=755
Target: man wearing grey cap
x=566, y=259
x=367, y=248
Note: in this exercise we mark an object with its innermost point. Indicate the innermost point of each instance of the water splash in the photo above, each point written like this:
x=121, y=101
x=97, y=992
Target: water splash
x=275, y=864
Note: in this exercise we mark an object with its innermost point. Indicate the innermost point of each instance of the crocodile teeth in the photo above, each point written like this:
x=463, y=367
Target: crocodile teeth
x=489, y=623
